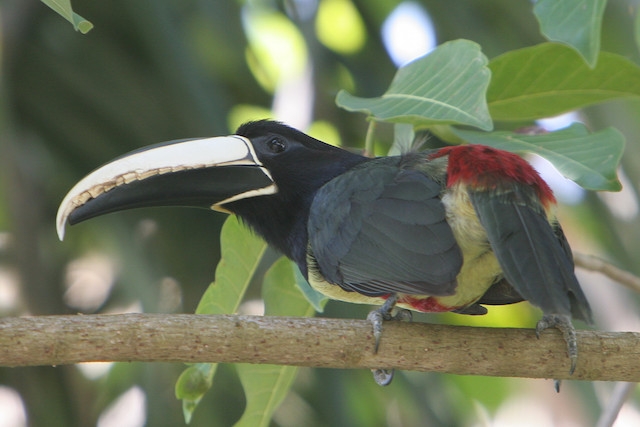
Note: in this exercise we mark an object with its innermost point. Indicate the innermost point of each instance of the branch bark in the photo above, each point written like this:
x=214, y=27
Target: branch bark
x=315, y=342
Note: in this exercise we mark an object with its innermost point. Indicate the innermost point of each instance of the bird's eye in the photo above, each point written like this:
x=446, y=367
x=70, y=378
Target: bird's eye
x=276, y=145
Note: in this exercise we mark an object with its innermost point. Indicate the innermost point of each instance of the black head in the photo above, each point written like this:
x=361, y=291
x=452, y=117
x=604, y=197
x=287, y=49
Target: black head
x=299, y=166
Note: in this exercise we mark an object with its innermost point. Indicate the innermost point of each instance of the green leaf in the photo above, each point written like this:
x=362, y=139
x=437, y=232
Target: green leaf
x=280, y=291
x=589, y=159
x=550, y=79
x=242, y=252
x=63, y=7
x=191, y=386
x=315, y=298
x=576, y=23
x=447, y=86
x=265, y=386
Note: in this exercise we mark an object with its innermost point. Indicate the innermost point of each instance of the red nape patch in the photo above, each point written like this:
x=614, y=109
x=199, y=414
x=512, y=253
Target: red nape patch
x=485, y=167
x=425, y=305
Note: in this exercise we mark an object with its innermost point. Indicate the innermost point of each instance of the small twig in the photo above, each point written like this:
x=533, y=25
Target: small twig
x=369, y=149
x=593, y=263
x=621, y=393
x=315, y=342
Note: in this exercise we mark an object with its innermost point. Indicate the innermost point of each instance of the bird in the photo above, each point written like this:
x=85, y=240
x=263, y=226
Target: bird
x=452, y=229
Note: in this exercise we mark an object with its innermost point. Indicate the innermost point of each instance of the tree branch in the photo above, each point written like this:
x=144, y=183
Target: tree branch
x=316, y=342
x=594, y=263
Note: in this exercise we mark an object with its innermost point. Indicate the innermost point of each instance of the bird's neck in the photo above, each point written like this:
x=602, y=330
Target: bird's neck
x=281, y=219
x=283, y=227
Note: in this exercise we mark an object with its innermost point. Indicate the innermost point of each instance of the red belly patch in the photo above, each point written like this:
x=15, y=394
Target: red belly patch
x=425, y=305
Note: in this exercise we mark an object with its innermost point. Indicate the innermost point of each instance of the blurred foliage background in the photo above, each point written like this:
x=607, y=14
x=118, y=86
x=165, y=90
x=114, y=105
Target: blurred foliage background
x=156, y=70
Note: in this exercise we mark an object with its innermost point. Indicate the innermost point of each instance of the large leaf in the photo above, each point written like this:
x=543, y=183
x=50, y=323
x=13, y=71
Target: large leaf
x=242, y=252
x=589, y=159
x=574, y=22
x=63, y=7
x=447, y=86
x=550, y=79
x=265, y=386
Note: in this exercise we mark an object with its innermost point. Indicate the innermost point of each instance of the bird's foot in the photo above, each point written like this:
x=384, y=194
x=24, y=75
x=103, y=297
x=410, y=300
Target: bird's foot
x=377, y=317
x=382, y=376
x=384, y=312
x=563, y=323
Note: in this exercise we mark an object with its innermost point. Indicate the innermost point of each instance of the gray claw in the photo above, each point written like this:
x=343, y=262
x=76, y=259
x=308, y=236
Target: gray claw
x=563, y=323
x=556, y=385
x=382, y=376
x=403, y=315
x=377, y=317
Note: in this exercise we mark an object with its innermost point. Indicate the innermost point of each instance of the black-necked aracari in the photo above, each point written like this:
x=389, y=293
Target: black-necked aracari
x=451, y=229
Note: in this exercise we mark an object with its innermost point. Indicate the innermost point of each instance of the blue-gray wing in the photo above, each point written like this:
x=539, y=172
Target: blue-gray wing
x=533, y=254
x=379, y=230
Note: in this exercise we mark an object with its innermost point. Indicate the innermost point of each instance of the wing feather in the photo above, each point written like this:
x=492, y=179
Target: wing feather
x=385, y=232
x=533, y=258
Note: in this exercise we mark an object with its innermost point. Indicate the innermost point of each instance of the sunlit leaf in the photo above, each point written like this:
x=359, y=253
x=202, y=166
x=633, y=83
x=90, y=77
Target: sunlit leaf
x=242, y=252
x=589, y=159
x=277, y=50
x=550, y=79
x=340, y=27
x=325, y=131
x=576, y=23
x=447, y=86
x=280, y=291
x=63, y=7
x=192, y=384
x=242, y=113
x=265, y=386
